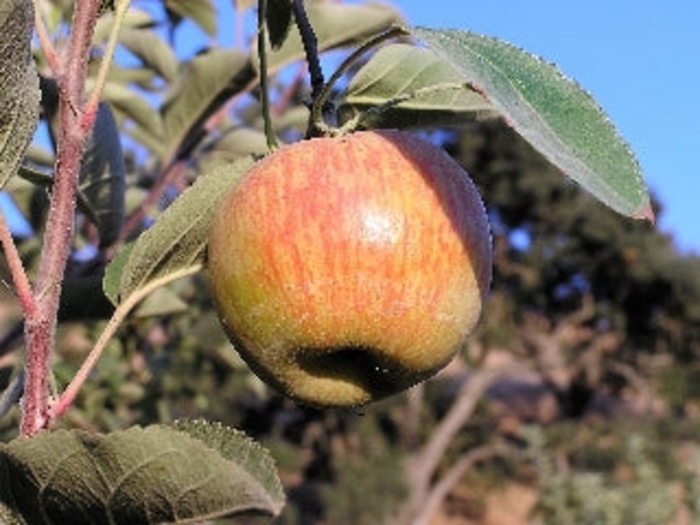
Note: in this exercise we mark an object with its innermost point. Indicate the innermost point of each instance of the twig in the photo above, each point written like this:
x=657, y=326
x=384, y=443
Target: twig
x=320, y=102
x=120, y=313
x=120, y=8
x=19, y=277
x=40, y=328
x=459, y=413
x=44, y=41
x=264, y=93
x=375, y=111
x=455, y=474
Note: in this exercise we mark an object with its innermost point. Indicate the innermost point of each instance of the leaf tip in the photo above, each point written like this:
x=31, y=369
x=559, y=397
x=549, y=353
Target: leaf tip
x=646, y=213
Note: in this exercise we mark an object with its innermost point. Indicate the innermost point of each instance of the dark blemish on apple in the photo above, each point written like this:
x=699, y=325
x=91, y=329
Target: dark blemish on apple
x=360, y=365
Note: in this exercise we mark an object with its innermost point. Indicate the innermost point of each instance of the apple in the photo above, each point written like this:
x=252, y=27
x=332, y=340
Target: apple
x=347, y=269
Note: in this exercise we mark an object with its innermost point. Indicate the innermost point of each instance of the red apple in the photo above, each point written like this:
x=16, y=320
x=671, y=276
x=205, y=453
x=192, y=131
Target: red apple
x=348, y=269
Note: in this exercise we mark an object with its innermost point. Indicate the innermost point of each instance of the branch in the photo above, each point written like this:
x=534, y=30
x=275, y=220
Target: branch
x=428, y=459
x=44, y=41
x=40, y=328
x=264, y=89
x=454, y=476
x=19, y=277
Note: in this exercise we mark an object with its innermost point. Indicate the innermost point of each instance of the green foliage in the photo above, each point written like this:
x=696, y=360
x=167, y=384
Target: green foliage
x=175, y=246
x=406, y=86
x=552, y=113
x=369, y=482
x=557, y=251
x=150, y=475
x=19, y=86
x=102, y=184
x=573, y=496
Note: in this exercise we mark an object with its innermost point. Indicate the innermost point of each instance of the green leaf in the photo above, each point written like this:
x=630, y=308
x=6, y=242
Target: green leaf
x=424, y=91
x=336, y=25
x=19, y=85
x=111, y=284
x=242, y=141
x=279, y=20
x=235, y=446
x=102, y=180
x=204, y=84
x=142, y=475
x=126, y=104
x=134, y=18
x=552, y=113
x=201, y=12
x=176, y=244
x=143, y=77
x=151, y=50
x=159, y=303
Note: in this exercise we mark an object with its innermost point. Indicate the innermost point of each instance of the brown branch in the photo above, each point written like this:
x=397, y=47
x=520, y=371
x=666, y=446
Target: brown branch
x=422, y=466
x=455, y=474
x=459, y=413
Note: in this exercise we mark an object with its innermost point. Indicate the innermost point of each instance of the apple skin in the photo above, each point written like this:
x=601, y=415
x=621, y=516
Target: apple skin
x=348, y=269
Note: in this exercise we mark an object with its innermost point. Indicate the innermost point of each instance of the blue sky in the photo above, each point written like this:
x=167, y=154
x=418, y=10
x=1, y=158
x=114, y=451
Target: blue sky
x=639, y=59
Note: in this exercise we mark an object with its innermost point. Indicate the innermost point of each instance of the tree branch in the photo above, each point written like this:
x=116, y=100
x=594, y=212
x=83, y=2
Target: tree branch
x=462, y=409
x=40, y=328
x=454, y=475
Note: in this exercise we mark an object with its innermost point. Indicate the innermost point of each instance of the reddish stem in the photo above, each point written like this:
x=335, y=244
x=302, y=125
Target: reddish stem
x=19, y=277
x=40, y=328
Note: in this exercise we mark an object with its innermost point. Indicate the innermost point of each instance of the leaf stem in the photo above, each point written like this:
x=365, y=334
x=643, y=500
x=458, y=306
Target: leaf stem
x=320, y=103
x=120, y=313
x=120, y=8
x=40, y=327
x=44, y=41
x=373, y=111
x=264, y=88
x=19, y=277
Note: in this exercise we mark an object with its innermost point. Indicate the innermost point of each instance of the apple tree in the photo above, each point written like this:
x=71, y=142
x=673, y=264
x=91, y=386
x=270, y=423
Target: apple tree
x=140, y=151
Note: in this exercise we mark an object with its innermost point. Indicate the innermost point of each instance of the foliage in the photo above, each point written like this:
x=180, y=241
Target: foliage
x=590, y=497
x=599, y=308
x=150, y=475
